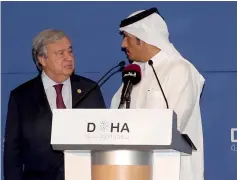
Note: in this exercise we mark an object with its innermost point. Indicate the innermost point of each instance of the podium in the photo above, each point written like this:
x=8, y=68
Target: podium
x=118, y=144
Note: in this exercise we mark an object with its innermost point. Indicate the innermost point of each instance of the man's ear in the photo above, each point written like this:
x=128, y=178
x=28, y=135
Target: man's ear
x=42, y=60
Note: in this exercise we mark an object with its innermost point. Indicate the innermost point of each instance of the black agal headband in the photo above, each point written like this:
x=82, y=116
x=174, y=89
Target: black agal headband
x=138, y=17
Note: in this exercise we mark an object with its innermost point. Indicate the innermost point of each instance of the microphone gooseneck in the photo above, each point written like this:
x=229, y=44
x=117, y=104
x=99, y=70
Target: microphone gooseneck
x=121, y=65
x=120, y=69
x=150, y=62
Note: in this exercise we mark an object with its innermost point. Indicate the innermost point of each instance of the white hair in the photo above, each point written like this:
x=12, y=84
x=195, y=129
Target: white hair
x=41, y=41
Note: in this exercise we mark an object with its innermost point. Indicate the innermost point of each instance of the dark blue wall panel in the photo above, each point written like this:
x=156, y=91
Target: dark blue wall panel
x=204, y=32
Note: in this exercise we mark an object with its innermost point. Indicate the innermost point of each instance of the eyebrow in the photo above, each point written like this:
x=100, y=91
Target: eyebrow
x=60, y=50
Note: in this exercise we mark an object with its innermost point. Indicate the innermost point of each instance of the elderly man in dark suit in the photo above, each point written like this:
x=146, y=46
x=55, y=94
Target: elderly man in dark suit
x=28, y=154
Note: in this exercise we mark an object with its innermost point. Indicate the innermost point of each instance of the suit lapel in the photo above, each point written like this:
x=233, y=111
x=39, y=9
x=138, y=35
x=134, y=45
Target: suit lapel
x=77, y=90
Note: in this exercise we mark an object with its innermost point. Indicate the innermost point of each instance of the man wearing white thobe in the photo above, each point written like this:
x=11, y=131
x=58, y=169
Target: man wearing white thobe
x=146, y=37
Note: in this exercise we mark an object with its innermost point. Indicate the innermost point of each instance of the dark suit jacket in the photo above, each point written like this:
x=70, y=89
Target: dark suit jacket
x=28, y=154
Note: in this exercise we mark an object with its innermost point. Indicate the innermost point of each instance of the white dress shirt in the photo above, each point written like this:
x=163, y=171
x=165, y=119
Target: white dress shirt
x=182, y=85
x=51, y=92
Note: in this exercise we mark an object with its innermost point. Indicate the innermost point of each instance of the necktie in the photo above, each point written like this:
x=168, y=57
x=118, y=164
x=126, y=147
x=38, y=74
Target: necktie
x=59, y=99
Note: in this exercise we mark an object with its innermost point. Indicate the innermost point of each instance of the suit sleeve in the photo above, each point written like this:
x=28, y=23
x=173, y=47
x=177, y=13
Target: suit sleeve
x=182, y=93
x=13, y=166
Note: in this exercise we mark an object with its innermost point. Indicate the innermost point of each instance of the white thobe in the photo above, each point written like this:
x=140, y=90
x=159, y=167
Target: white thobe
x=182, y=85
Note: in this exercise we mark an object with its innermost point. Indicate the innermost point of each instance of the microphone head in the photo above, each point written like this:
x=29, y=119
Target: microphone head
x=132, y=73
x=121, y=69
x=122, y=63
x=150, y=62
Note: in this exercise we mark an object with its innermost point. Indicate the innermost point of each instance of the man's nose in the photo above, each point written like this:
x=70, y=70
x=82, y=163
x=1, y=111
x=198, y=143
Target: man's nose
x=68, y=56
x=124, y=44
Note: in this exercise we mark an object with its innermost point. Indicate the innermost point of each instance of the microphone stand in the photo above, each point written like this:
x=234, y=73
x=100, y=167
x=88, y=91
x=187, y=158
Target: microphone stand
x=128, y=101
x=127, y=97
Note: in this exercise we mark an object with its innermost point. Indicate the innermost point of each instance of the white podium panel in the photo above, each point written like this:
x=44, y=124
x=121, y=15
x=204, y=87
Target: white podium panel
x=99, y=129
x=77, y=164
x=78, y=132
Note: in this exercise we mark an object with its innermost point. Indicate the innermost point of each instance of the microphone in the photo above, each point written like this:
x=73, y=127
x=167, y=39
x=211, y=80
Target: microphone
x=131, y=76
x=121, y=65
x=150, y=62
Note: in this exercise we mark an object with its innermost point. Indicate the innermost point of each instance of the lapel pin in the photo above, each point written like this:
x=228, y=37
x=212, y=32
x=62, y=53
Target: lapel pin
x=79, y=91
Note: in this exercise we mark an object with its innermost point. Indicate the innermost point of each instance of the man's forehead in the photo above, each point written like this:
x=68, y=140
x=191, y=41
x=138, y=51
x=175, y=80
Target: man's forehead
x=61, y=43
x=59, y=48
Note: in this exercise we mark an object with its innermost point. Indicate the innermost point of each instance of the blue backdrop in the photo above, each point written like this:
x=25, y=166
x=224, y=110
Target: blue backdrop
x=204, y=32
